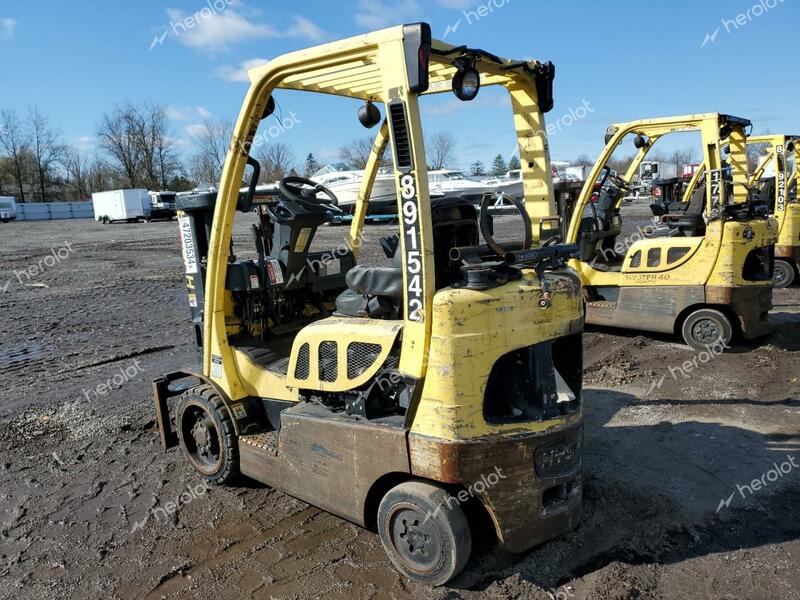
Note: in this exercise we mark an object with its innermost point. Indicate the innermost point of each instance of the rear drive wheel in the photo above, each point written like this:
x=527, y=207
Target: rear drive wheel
x=705, y=328
x=206, y=434
x=426, y=538
x=784, y=273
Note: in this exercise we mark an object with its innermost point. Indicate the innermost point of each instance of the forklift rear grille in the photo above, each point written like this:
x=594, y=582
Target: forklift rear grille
x=402, y=143
x=360, y=357
x=301, y=369
x=328, y=361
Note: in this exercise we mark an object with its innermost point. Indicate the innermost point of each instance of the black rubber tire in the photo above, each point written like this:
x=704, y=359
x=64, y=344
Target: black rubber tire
x=204, y=400
x=447, y=527
x=784, y=274
x=706, y=328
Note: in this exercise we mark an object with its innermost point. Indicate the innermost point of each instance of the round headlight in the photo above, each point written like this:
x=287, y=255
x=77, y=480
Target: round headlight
x=466, y=84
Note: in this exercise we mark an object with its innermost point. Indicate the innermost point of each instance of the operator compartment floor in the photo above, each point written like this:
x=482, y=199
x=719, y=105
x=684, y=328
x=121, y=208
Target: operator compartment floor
x=272, y=355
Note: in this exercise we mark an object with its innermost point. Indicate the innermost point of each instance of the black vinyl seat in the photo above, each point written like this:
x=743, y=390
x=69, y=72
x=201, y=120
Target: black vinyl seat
x=371, y=291
x=690, y=222
x=378, y=291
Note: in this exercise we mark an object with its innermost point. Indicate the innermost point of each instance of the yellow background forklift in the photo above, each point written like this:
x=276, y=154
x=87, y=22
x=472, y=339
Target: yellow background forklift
x=779, y=193
x=773, y=184
x=387, y=395
x=710, y=276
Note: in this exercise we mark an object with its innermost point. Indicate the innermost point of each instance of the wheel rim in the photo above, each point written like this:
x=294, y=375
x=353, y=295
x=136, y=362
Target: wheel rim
x=707, y=331
x=415, y=538
x=201, y=439
x=781, y=275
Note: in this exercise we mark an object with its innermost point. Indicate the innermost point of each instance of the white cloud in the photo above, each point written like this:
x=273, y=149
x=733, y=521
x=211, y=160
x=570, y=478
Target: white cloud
x=374, y=14
x=175, y=113
x=303, y=28
x=7, y=26
x=195, y=130
x=86, y=142
x=239, y=73
x=215, y=31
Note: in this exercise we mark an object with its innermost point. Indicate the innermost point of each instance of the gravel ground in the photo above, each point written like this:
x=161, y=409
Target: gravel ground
x=85, y=487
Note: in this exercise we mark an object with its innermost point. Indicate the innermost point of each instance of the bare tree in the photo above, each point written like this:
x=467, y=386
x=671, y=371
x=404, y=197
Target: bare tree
x=16, y=147
x=357, y=152
x=683, y=157
x=47, y=149
x=277, y=160
x=441, y=150
x=101, y=176
x=212, y=140
x=620, y=164
x=117, y=135
x=755, y=152
x=156, y=148
x=78, y=171
x=583, y=161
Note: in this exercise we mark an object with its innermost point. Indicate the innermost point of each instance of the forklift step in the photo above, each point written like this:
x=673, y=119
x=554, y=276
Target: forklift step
x=267, y=441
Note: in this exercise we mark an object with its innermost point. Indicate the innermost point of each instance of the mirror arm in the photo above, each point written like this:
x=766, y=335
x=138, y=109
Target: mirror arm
x=246, y=204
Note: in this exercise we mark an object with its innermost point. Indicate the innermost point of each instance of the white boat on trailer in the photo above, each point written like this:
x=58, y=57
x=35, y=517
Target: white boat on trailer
x=345, y=183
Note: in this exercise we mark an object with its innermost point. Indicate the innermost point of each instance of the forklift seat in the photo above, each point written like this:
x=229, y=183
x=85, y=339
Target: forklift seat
x=371, y=291
x=378, y=291
x=689, y=222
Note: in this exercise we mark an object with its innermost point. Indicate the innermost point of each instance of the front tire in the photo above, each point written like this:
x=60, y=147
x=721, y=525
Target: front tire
x=206, y=434
x=784, y=273
x=705, y=328
x=424, y=532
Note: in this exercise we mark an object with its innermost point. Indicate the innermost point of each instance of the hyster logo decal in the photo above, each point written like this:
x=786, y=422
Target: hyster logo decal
x=411, y=233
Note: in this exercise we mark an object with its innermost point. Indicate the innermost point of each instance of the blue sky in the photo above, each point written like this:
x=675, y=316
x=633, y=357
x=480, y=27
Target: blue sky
x=624, y=60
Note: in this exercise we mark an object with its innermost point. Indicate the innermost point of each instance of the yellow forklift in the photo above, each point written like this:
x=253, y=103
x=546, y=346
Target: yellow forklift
x=773, y=184
x=778, y=191
x=416, y=398
x=709, y=276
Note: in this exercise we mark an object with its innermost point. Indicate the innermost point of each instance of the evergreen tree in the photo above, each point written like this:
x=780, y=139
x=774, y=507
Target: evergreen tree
x=499, y=166
x=312, y=166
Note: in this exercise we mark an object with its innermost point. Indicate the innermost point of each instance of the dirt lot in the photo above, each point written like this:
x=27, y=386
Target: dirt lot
x=84, y=486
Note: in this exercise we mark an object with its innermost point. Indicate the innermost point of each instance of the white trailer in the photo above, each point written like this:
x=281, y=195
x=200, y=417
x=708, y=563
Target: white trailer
x=8, y=209
x=121, y=205
x=650, y=171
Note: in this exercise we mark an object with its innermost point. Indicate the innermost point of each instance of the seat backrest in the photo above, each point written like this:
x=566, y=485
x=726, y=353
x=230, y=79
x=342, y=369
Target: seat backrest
x=697, y=201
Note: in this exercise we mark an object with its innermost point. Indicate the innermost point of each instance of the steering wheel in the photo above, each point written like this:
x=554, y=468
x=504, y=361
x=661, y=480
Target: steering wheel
x=486, y=229
x=304, y=192
x=615, y=180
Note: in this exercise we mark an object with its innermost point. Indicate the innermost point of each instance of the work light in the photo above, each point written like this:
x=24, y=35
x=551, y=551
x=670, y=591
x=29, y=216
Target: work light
x=466, y=84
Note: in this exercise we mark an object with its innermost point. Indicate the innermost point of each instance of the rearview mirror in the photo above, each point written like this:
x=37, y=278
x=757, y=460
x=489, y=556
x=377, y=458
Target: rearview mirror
x=269, y=108
x=610, y=132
